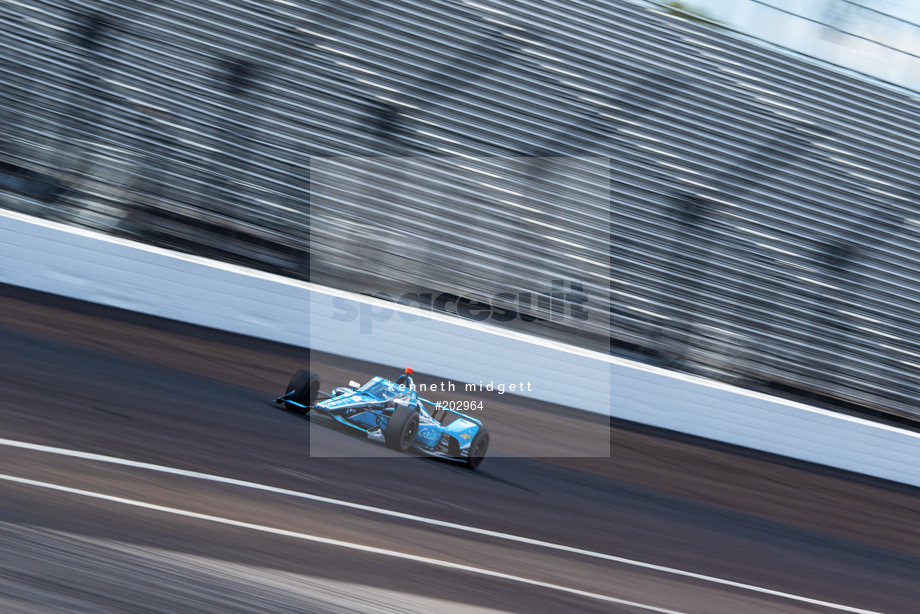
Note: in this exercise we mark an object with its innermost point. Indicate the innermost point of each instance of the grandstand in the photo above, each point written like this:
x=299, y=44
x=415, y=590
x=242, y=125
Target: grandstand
x=728, y=208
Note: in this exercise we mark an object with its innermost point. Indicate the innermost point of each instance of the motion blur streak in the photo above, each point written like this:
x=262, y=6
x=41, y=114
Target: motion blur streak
x=288, y=135
x=343, y=544
x=223, y=586
x=85, y=378
x=378, y=510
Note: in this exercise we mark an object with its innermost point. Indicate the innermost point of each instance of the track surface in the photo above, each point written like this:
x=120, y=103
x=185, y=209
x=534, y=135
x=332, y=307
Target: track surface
x=101, y=381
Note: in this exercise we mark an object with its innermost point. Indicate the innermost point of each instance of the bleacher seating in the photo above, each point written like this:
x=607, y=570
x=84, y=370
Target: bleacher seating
x=727, y=207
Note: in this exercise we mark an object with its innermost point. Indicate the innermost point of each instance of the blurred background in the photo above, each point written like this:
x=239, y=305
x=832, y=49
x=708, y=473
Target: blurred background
x=725, y=188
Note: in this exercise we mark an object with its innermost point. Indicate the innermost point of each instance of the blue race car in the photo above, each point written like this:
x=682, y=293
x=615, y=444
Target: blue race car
x=392, y=413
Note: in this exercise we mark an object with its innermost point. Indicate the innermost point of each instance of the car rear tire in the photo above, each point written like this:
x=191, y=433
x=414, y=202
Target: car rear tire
x=478, y=448
x=402, y=428
x=305, y=387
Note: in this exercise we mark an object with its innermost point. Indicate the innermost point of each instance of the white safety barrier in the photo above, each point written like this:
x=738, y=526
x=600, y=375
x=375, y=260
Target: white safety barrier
x=86, y=265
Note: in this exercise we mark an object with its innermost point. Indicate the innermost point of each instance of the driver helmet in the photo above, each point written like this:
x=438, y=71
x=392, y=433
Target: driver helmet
x=405, y=378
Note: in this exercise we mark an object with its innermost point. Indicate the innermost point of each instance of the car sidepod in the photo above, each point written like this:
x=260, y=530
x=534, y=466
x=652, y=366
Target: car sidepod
x=451, y=440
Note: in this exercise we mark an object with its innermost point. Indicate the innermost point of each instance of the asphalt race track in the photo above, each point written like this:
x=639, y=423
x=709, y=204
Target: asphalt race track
x=235, y=514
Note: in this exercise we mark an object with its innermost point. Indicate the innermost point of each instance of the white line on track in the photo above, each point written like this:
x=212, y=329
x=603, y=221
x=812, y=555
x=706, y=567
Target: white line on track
x=430, y=521
x=341, y=544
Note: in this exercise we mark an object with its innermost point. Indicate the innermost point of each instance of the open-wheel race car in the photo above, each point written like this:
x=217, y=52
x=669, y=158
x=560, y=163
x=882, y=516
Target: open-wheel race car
x=392, y=413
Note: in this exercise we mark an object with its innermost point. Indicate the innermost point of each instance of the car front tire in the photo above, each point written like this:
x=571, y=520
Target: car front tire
x=305, y=387
x=402, y=428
